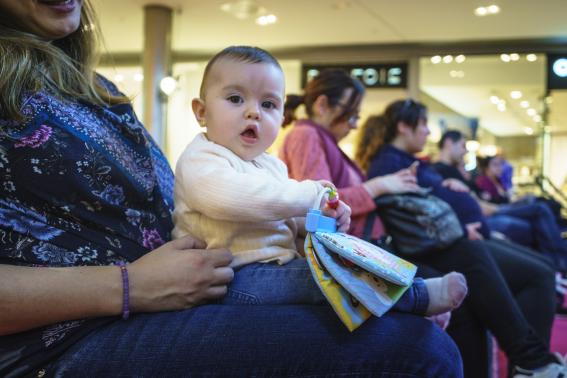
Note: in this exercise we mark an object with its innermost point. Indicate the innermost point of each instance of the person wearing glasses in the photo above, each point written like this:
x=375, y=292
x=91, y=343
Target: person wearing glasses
x=311, y=151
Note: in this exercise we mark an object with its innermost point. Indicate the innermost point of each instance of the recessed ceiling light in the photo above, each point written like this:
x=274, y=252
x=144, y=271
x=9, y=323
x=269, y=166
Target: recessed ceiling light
x=537, y=118
x=457, y=74
x=267, y=19
x=447, y=58
x=505, y=57
x=494, y=99
x=516, y=95
x=243, y=9
x=501, y=106
x=118, y=78
x=484, y=11
x=531, y=57
x=481, y=11
x=460, y=58
x=436, y=59
x=525, y=104
x=138, y=77
x=493, y=9
x=528, y=130
x=514, y=56
x=531, y=112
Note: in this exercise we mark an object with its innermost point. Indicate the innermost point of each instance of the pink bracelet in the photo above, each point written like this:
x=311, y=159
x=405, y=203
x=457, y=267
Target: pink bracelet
x=125, y=290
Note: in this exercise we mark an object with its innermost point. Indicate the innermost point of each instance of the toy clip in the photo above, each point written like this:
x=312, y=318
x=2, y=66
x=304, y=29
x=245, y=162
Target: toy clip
x=316, y=221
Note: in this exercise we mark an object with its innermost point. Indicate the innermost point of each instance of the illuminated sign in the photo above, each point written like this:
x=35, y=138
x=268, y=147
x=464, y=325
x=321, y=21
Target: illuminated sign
x=388, y=75
x=556, y=71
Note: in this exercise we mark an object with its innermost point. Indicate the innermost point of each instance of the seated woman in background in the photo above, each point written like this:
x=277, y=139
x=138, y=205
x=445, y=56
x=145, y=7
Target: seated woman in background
x=387, y=144
x=546, y=235
x=84, y=187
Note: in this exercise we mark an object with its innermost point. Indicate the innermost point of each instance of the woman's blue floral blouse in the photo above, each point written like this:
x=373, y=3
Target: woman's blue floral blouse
x=79, y=185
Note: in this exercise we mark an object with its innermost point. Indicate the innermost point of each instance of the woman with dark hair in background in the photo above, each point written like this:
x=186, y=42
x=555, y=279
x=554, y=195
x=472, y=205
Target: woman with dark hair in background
x=505, y=285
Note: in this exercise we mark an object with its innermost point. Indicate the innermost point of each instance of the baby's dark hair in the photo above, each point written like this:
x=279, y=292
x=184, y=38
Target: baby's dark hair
x=245, y=54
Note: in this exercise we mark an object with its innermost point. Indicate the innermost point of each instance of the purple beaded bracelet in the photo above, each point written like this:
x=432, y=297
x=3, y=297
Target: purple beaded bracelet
x=125, y=290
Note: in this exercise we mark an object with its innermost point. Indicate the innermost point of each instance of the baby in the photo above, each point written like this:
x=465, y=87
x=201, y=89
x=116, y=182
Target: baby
x=231, y=194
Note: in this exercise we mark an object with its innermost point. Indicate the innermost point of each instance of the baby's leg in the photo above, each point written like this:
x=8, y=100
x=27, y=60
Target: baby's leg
x=433, y=296
x=445, y=293
x=274, y=284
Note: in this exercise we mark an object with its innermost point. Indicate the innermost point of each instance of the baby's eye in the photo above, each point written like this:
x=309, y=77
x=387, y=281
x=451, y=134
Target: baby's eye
x=235, y=99
x=268, y=105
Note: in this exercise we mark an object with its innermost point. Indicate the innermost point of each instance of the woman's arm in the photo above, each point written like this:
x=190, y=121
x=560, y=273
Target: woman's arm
x=172, y=277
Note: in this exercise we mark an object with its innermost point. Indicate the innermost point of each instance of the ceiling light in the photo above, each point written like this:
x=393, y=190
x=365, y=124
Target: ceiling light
x=531, y=57
x=493, y=9
x=516, y=95
x=460, y=58
x=436, y=59
x=528, y=130
x=481, y=11
x=489, y=150
x=138, y=77
x=472, y=145
x=505, y=57
x=494, y=99
x=525, y=104
x=537, y=118
x=501, y=106
x=514, y=57
x=168, y=85
x=243, y=9
x=560, y=67
x=266, y=19
x=457, y=74
x=447, y=58
x=531, y=112
x=118, y=78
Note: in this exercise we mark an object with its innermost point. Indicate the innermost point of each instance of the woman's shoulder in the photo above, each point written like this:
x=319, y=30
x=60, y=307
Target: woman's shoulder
x=301, y=132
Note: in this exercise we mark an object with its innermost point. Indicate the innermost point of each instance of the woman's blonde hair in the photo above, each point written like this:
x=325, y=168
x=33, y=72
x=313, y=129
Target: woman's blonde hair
x=65, y=67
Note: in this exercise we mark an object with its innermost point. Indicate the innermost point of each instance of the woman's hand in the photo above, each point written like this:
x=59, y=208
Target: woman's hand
x=179, y=274
x=455, y=185
x=403, y=181
x=473, y=231
x=341, y=214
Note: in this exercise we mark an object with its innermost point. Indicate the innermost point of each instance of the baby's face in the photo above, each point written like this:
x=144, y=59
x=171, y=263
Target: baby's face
x=243, y=106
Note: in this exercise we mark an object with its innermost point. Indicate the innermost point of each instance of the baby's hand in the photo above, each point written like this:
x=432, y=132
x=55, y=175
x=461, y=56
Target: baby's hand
x=341, y=213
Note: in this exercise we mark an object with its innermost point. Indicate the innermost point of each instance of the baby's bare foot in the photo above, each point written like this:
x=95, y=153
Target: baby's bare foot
x=445, y=293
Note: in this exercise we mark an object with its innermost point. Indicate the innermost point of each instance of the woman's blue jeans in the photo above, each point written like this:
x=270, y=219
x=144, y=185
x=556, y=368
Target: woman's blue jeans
x=532, y=223
x=234, y=340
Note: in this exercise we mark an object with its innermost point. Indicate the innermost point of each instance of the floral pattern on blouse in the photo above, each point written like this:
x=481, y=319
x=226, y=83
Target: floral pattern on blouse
x=79, y=185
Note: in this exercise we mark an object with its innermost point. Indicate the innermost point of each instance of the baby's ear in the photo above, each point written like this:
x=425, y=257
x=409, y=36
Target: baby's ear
x=198, y=106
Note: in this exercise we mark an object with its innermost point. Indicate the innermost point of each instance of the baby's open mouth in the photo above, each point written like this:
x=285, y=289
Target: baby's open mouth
x=250, y=132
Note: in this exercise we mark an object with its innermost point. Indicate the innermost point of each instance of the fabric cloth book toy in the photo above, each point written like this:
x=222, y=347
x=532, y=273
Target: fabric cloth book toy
x=357, y=278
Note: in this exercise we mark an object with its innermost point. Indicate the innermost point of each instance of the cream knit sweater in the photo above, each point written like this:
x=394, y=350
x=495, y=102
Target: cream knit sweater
x=250, y=207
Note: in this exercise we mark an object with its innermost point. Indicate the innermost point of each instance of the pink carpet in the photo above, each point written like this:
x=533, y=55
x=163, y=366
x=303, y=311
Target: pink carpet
x=558, y=344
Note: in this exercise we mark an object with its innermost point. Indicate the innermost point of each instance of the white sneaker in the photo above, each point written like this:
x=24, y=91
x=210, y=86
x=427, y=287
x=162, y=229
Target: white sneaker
x=553, y=370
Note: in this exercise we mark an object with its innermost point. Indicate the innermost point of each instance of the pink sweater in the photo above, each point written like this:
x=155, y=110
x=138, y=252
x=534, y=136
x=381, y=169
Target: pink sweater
x=305, y=157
